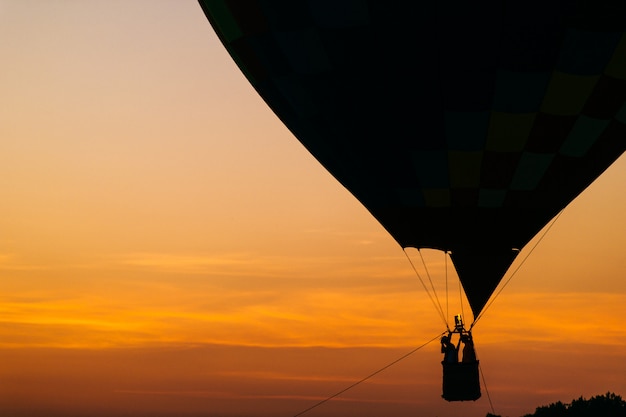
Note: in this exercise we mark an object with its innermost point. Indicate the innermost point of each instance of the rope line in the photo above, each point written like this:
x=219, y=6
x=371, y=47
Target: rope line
x=426, y=289
x=431, y=284
x=369, y=376
x=461, y=299
x=517, y=269
x=482, y=375
x=445, y=262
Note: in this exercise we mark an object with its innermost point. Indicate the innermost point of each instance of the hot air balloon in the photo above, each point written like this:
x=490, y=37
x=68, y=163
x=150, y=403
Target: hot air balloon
x=461, y=126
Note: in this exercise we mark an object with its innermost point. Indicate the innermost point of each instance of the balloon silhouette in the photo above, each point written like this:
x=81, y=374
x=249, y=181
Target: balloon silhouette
x=462, y=126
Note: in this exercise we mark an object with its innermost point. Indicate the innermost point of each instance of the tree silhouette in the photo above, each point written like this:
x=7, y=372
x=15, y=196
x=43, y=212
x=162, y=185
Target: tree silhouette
x=608, y=405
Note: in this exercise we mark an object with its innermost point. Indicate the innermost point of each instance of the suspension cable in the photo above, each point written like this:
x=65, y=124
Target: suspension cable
x=445, y=262
x=518, y=268
x=406, y=355
x=431, y=283
x=461, y=299
x=438, y=308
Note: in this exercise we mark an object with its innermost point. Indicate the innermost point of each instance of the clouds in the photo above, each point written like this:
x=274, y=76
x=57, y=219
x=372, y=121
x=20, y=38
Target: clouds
x=261, y=299
x=232, y=298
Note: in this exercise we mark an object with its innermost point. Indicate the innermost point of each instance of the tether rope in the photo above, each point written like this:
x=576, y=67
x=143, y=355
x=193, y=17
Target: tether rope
x=369, y=376
x=482, y=375
x=517, y=269
x=438, y=308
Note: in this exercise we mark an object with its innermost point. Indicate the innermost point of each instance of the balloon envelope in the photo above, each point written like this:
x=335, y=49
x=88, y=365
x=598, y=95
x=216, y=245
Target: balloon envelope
x=461, y=126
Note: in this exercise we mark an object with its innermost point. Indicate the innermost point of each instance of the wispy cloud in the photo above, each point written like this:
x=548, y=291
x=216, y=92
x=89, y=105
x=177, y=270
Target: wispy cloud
x=565, y=317
x=145, y=298
x=322, y=318
x=186, y=262
x=13, y=262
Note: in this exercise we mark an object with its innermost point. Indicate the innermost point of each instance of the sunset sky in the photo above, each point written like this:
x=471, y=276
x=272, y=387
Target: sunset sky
x=168, y=248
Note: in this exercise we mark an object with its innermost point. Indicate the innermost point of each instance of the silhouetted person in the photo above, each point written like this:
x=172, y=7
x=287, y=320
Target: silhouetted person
x=469, y=354
x=450, y=352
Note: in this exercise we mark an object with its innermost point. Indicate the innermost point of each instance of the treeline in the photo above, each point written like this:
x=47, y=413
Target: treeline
x=608, y=405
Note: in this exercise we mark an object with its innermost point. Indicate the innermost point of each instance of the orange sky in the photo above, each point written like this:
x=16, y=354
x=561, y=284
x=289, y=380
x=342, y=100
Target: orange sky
x=166, y=246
